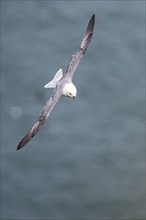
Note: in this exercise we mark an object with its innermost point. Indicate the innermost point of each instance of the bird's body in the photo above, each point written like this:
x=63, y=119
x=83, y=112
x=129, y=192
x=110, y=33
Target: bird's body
x=62, y=85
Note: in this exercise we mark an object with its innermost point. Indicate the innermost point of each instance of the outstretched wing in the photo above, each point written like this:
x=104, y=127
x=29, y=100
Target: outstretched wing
x=75, y=59
x=42, y=118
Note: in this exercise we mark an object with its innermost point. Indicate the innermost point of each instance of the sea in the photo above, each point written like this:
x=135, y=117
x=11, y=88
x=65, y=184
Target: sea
x=88, y=160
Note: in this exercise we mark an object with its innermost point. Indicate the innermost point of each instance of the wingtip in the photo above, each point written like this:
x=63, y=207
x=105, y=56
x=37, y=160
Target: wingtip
x=92, y=21
x=91, y=24
x=93, y=17
x=19, y=146
x=24, y=141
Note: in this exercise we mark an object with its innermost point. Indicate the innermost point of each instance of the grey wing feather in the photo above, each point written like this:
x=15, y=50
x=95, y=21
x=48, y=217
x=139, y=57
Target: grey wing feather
x=75, y=59
x=42, y=118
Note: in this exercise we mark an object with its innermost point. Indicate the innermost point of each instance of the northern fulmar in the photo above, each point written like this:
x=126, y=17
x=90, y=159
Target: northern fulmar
x=62, y=85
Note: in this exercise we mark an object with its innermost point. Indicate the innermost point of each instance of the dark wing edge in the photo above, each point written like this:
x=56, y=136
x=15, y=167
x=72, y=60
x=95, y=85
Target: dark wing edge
x=30, y=134
x=41, y=120
x=75, y=59
x=88, y=35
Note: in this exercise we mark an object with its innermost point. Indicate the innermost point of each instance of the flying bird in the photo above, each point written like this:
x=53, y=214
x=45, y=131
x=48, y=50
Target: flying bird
x=62, y=85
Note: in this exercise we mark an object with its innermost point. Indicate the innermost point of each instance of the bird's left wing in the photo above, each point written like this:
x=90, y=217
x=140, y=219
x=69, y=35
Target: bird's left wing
x=75, y=59
x=42, y=118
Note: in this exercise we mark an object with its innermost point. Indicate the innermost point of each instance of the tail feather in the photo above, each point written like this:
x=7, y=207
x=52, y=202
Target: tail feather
x=54, y=82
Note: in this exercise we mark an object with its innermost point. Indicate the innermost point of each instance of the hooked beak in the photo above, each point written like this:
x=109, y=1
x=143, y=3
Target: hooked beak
x=74, y=98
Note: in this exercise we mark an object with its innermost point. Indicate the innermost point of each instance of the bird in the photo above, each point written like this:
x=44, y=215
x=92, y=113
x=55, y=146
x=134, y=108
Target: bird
x=62, y=84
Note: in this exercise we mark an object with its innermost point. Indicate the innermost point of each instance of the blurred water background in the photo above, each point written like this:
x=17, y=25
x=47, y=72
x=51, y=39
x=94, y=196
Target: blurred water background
x=88, y=160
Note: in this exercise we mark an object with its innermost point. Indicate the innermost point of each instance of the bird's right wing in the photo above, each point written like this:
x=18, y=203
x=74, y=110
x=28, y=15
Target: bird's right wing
x=42, y=118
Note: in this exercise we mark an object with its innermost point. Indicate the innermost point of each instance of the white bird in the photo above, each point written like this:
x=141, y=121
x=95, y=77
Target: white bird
x=62, y=85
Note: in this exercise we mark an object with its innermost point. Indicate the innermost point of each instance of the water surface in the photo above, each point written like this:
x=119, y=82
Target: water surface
x=87, y=162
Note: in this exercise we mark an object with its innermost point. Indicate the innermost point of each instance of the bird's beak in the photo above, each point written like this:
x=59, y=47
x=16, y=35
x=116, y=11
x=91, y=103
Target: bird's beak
x=74, y=98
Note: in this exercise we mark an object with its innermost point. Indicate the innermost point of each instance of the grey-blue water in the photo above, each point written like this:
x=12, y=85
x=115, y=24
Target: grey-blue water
x=88, y=160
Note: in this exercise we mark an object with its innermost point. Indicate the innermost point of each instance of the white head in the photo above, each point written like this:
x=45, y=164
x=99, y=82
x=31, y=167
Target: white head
x=70, y=91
